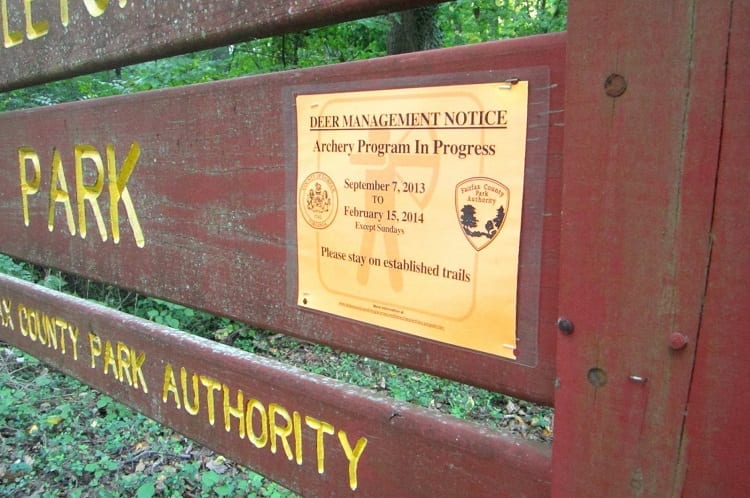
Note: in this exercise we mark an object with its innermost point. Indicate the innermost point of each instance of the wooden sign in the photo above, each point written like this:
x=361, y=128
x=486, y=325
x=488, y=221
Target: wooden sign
x=47, y=40
x=190, y=195
x=317, y=436
x=409, y=209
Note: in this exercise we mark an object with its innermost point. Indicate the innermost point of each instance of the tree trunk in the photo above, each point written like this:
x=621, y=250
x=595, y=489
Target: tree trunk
x=414, y=30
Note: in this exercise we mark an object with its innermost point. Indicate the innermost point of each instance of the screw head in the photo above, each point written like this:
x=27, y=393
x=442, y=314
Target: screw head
x=565, y=326
x=677, y=341
x=615, y=85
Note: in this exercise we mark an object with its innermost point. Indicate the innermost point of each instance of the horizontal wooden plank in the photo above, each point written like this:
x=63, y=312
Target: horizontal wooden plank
x=212, y=187
x=314, y=435
x=45, y=41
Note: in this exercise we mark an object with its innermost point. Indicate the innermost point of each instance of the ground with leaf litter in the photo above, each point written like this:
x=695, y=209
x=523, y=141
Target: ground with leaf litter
x=58, y=437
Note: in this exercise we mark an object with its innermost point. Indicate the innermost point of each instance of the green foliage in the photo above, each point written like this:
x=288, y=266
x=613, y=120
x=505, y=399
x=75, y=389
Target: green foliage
x=57, y=437
x=467, y=402
x=17, y=269
x=60, y=438
x=146, y=490
x=165, y=313
x=472, y=21
x=460, y=22
x=354, y=40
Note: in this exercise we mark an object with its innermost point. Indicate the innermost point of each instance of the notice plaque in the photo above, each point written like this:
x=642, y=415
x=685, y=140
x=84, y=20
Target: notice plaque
x=409, y=209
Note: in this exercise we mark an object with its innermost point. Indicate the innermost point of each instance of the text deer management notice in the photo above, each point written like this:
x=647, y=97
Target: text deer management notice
x=409, y=209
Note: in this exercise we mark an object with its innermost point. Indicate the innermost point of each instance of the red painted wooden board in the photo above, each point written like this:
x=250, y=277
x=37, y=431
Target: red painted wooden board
x=716, y=437
x=312, y=434
x=207, y=170
x=43, y=41
x=641, y=164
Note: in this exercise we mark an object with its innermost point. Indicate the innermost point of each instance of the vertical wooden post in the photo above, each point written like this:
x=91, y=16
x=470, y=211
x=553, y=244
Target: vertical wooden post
x=719, y=406
x=645, y=107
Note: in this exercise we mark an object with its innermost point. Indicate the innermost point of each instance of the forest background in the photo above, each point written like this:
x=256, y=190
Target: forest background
x=60, y=438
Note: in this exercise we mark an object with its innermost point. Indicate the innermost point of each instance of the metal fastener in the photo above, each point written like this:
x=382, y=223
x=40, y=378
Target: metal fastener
x=677, y=341
x=565, y=326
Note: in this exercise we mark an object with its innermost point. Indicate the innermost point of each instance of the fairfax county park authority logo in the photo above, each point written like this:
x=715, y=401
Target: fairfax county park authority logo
x=318, y=200
x=481, y=208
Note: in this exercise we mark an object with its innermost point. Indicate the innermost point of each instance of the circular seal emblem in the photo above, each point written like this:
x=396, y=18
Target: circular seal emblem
x=318, y=200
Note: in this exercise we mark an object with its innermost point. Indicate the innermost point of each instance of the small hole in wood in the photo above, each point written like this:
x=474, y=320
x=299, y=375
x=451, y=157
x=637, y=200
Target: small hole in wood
x=597, y=377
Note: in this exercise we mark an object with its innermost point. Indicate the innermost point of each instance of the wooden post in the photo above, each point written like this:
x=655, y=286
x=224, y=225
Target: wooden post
x=718, y=407
x=648, y=110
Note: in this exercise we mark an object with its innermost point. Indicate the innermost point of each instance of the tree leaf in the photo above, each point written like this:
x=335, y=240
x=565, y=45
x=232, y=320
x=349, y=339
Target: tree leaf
x=146, y=490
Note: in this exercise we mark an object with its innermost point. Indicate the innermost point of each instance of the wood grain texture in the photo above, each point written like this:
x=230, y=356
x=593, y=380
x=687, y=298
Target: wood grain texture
x=289, y=423
x=715, y=440
x=213, y=190
x=106, y=34
x=639, y=181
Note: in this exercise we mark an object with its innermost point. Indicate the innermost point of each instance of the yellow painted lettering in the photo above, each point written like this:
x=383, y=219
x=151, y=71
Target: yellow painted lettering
x=43, y=330
x=237, y=411
x=118, y=191
x=136, y=363
x=320, y=428
x=191, y=409
x=170, y=386
x=95, y=346
x=89, y=192
x=64, y=15
x=353, y=455
x=282, y=431
x=255, y=406
x=297, y=425
x=123, y=362
x=37, y=326
x=96, y=7
x=5, y=310
x=73, y=333
x=21, y=319
x=59, y=324
x=10, y=38
x=50, y=330
x=34, y=30
x=32, y=324
x=211, y=386
x=28, y=187
x=58, y=192
x=109, y=359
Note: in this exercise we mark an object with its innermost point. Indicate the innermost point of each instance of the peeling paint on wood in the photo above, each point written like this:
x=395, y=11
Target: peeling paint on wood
x=191, y=200
x=317, y=436
x=56, y=40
